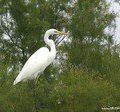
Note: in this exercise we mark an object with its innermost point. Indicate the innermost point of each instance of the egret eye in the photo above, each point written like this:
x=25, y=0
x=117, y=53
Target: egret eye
x=50, y=37
x=53, y=37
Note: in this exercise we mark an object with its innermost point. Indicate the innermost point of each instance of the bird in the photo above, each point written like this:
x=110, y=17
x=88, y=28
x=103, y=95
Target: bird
x=38, y=61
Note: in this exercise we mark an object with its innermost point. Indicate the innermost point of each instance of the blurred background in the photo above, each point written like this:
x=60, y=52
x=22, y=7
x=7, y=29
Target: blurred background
x=85, y=76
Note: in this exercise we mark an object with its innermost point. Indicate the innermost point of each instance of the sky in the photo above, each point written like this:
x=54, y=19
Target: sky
x=116, y=8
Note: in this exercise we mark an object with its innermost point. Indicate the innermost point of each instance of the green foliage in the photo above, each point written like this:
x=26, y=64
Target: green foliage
x=26, y=25
x=76, y=90
x=79, y=91
x=87, y=27
x=85, y=81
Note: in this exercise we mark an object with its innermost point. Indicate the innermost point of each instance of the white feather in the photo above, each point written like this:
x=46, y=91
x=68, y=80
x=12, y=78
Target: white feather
x=39, y=60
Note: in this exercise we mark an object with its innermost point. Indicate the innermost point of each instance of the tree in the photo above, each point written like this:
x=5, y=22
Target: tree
x=25, y=22
x=88, y=77
x=89, y=39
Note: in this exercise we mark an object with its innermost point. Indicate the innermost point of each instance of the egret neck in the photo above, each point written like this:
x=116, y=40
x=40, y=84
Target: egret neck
x=51, y=44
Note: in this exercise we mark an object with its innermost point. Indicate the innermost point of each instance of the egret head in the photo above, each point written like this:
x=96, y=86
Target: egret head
x=54, y=31
x=49, y=35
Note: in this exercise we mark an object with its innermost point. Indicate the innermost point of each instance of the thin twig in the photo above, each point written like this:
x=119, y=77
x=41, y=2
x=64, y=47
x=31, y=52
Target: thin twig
x=60, y=39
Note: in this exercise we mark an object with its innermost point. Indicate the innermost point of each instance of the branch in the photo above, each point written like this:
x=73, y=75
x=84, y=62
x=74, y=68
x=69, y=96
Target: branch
x=6, y=31
x=59, y=40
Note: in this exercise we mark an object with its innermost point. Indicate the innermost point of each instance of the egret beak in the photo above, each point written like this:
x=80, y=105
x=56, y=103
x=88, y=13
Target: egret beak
x=61, y=33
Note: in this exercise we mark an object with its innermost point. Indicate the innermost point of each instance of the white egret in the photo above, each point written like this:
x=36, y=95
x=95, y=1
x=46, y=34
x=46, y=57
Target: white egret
x=40, y=59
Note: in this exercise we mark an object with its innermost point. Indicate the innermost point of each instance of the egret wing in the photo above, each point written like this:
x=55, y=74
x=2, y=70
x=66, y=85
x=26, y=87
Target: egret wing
x=36, y=63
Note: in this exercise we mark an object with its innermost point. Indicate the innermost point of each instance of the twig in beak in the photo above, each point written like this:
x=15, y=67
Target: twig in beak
x=60, y=39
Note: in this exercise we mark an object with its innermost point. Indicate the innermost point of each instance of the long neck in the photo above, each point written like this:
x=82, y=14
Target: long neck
x=50, y=43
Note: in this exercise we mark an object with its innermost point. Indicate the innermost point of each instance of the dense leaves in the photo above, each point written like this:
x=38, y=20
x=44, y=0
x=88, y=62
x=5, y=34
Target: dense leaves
x=85, y=76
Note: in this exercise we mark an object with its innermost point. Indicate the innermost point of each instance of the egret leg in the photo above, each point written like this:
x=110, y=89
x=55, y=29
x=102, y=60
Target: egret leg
x=36, y=80
x=36, y=76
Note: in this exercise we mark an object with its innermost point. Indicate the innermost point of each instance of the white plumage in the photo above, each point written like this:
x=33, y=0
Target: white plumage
x=39, y=60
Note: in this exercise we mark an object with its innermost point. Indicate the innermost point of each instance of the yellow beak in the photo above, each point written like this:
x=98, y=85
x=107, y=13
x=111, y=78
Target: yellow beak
x=62, y=33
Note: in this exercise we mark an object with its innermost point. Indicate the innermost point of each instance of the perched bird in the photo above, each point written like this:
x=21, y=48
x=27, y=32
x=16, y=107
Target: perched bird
x=42, y=58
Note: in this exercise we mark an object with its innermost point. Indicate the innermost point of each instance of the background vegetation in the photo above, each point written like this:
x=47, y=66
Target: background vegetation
x=87, y=78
